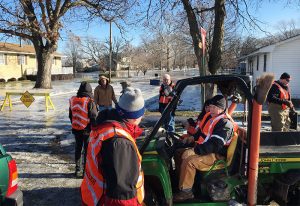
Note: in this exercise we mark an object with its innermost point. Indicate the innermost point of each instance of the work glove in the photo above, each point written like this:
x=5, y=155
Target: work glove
x=168, y=90
x=236, y=98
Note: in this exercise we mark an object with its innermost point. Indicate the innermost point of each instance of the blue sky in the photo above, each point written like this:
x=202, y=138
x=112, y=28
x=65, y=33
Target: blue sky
x=269, y=13
x=273, y=13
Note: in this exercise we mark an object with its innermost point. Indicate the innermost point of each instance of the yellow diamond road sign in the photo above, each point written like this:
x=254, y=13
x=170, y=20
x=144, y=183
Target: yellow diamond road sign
x=27, y=99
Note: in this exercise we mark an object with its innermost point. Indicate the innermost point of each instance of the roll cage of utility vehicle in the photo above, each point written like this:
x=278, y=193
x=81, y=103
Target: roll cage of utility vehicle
x=275, y=156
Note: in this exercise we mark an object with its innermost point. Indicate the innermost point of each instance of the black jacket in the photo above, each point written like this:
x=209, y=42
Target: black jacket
x=222, y=132
x=119, y=160
x=274, y=94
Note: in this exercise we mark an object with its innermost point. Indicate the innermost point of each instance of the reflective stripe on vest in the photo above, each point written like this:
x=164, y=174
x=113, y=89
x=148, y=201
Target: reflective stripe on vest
x=204, y=123
x=283, y=94
x=79, y=108
x=93, y=184
x=215, y=120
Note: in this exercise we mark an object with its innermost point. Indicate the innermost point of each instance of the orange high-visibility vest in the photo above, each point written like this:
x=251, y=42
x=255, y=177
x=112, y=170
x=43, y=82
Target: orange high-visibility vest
x=93, y=184
x=213, y=121
x=204, y=123
x=79, y=108
x=284, y=94
x=163, y=98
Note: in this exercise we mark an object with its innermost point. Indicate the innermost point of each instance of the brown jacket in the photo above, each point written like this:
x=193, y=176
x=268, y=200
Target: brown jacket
x=104, y=96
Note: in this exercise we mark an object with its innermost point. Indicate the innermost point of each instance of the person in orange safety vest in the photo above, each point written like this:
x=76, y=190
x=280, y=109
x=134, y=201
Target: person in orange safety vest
x=280, y=103
x=165, y=96
x=82, y=113
x=199, y=129
x=114, y=175
x=204, y=154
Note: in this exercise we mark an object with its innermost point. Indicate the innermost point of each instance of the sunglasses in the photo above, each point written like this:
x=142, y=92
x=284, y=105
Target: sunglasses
x=288, y=80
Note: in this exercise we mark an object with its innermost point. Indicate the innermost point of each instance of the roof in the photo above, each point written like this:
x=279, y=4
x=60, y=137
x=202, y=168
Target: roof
x=271, y=47
x=17, y=49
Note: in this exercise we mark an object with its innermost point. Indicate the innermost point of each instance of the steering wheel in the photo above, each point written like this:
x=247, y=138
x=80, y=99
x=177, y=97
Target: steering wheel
x=172, y=139
x=175, y=137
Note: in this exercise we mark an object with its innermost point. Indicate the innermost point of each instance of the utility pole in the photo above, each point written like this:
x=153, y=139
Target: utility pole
x=110, y=51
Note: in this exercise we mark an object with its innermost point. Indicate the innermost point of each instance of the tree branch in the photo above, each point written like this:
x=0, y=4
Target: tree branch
x=15, y=33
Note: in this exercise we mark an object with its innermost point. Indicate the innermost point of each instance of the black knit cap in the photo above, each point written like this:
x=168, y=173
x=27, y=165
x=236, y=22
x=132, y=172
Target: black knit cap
x=285, y=76
x=218, y=101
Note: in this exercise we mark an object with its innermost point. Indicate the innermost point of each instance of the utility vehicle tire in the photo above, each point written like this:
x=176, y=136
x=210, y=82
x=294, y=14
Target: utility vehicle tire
x=294, y=194
x=150, y=198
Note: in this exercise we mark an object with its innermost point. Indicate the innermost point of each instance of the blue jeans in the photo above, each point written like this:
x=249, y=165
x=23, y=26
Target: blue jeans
x=169, y=123
x=101, y=108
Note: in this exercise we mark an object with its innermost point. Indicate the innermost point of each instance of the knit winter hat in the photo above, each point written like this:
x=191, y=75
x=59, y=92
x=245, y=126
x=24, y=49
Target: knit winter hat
x=218, y=101
x=285, y=76
x=131, y=104
x=85, y=87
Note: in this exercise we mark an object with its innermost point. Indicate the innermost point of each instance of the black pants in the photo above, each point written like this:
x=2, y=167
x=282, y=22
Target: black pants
x=81, y=142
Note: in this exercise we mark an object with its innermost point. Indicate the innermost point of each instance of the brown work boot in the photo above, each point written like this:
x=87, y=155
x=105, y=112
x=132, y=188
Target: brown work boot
x=183, y=195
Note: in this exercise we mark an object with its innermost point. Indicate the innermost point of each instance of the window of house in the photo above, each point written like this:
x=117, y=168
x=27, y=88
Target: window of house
x=265, y=63
x=21, y=60
x=257, y=63
x=2, y=59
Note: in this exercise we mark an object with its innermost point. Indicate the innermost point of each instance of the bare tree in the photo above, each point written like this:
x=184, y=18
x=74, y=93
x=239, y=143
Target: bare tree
x=94, y=50
x=139, y=60
x=118, y=46
x=74, y=50
x=287, y=29
x=41, y=22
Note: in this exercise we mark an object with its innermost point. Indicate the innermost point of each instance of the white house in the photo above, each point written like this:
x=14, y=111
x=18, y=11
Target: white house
x=283, y=56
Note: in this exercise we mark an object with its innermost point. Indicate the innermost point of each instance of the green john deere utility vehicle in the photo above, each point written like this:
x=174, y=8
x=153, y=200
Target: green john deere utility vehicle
x=260, y=167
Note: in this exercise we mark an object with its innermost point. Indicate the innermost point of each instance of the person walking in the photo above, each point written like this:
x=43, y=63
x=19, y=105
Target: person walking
x=280, y=103
x=165, y=96
x=104, y=94
x=113, y=175
x=205, y=153
x=82, y=114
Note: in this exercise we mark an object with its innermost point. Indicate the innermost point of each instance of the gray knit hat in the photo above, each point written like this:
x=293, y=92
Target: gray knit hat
x=131, y=104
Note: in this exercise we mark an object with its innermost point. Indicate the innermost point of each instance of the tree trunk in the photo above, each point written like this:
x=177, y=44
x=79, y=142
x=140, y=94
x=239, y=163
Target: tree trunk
x=44, y=63
x=195, y=33
x=214, y=62
x=74, y=62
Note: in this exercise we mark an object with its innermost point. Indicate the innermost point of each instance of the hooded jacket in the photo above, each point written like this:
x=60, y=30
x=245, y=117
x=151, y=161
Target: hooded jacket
x=104, y=95
x=118, y=160
x=85, y=90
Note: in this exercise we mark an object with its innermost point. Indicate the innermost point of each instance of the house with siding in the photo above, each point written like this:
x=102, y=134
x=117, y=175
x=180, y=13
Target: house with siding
x=17, y=61
x=283, y=56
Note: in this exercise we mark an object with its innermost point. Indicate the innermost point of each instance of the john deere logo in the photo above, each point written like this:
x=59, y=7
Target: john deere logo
x=27, y=99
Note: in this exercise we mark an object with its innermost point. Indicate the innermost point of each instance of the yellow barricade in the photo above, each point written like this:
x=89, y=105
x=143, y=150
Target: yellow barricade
x=7, y=101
